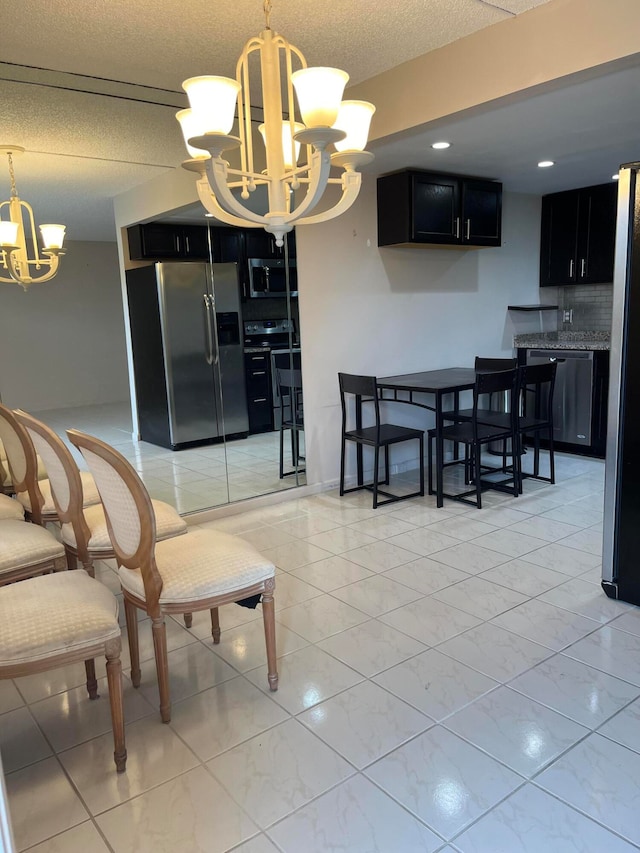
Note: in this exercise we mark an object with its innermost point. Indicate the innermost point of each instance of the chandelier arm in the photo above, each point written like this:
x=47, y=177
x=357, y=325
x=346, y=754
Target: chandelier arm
x=320, y=167
x=350, y=189
x=25, y=280
x=223, y=195
x=210, y=203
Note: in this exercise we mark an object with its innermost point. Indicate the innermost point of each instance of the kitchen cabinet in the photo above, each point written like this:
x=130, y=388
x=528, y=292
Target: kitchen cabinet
x=166, y=241
x=258, y=243
x=577, y=238
x=418, y=208
x=257, y=367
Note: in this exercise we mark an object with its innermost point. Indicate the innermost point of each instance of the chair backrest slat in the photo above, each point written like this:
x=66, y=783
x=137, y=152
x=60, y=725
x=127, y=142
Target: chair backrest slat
x=495, y=363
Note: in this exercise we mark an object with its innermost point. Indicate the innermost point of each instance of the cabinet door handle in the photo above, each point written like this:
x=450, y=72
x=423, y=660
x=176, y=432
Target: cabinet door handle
x=571, y=268
x=177, y=243
x=257, y=358
x=468, y=229
x=457, y=227
x=583, y=267
x=259, y=372
x=260, y=400
x=186, y=243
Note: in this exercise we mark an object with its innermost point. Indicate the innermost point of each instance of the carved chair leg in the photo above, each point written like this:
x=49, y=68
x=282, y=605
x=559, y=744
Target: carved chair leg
x=131, y=618
x=114, y=678
x=188, y=620
x=162, y=666
x=268, y=615
x=92, y=684
x=215, y=625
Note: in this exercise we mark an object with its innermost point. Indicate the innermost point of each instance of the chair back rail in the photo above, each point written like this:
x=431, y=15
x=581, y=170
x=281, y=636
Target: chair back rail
x=64, y=478
x=128, y=510
x=22, y=460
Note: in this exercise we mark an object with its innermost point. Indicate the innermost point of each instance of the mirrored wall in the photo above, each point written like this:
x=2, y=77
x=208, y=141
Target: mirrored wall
x=217, y=361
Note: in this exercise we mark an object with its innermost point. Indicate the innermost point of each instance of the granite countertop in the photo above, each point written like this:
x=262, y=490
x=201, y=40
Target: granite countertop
x=564, y=340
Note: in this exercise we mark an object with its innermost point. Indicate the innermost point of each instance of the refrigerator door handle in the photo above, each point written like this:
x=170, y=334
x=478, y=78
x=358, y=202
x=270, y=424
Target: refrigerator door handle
x=207, y=328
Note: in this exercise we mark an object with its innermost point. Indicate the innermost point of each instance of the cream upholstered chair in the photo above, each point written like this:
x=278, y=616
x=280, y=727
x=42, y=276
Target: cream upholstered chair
x=84, y=531
x=10, y=509
x=6, y=484
x=27, y=550
x=199, y=571
x=54, y=620
x=34, y=495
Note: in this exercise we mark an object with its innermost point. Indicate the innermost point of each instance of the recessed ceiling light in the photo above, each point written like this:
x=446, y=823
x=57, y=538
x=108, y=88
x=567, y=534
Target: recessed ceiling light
x=441, y=145
x=615, y=176
x=544, y=164
x=209, y=215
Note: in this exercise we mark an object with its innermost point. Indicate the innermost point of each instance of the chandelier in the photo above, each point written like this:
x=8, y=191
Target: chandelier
x=14, y=255
x=319, y=120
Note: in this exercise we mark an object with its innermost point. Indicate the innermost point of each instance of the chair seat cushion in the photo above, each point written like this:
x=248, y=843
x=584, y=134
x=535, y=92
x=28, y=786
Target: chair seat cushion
x=10, y=509
x=4, y=465
x=168, y=523
x=52, y=614
x=23, y=544
x=389, y=434
x=201, y=564
x=89, y=491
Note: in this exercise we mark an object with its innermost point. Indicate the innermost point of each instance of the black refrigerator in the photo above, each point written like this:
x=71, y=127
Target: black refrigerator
x=188, y=358
x=621, y=542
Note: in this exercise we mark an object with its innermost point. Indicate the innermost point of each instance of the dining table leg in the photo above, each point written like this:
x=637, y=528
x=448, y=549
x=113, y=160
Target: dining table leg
x=439, y=452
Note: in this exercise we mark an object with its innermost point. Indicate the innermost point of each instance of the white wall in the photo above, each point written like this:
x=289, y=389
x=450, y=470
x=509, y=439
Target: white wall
x=62, y=343
x=389, y=311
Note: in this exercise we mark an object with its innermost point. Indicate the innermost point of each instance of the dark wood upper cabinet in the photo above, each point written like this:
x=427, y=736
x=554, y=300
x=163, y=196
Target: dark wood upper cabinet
x=428, y=208
x=260, y=244
x=577, y=238
x=167, y=241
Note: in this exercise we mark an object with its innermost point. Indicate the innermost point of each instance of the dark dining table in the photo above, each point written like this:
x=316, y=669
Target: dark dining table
x=436, y=385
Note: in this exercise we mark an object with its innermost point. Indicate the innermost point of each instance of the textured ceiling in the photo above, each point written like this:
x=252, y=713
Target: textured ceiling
x=91, y=89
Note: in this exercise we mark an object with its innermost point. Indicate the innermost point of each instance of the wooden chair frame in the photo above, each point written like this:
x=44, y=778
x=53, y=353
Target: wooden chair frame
x=111, y=650
x=71, y=513
x=40, y=567
x=13, y=433
x=144, y=559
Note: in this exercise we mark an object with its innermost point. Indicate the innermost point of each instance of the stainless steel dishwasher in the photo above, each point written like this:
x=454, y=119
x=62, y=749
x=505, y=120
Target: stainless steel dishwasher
x=573, y=393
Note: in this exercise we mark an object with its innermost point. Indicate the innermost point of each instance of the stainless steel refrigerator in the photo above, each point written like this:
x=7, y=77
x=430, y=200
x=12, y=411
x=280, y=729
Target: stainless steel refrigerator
x=188, y=357
x=620, y=563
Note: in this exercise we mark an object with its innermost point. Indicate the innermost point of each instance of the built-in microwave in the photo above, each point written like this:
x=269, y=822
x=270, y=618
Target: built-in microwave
x=268, y=277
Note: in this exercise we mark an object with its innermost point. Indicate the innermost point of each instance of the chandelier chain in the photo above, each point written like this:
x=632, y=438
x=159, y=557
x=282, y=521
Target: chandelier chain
x=267, y=13
x=12, y=177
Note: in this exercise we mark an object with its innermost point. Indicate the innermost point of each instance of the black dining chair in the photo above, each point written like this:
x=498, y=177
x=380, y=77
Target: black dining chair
x=475, y=434
x=491, y=404
x=291, y=416
x=537, y=384
x=534, y=406
x=364, y=389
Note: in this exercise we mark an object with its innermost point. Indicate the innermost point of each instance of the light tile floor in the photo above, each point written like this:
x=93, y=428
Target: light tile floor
x=450, y=680
x=192, y=479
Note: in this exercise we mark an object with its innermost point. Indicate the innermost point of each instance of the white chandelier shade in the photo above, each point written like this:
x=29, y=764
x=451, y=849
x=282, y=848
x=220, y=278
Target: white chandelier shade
x=14, y=254
x=308, y=127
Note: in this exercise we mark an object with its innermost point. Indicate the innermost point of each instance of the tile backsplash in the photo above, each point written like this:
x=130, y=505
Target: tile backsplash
x=592, y=306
